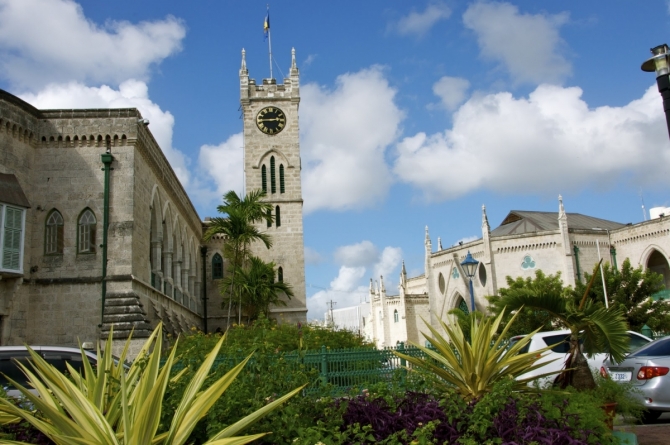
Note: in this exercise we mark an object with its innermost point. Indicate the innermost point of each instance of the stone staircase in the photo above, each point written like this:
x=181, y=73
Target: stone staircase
x=125, y=313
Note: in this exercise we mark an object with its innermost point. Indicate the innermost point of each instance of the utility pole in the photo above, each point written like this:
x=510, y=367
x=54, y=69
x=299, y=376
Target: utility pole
x=331, y=303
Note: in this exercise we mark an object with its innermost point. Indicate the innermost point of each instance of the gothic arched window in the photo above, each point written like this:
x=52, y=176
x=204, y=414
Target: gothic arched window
x=463, y=306
x=217, y=267
x=264, y=178
x=282, y=189
x=273, y=183
x=395, y=316
x=269, y=218
x=280, y=274
x=53, y=236
x=86, y=232
x=277, y=217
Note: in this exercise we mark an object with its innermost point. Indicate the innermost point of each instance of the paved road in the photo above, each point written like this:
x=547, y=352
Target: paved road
x=657, y=433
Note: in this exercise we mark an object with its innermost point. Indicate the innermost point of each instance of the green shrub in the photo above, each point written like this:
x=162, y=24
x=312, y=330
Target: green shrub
x=265, y=336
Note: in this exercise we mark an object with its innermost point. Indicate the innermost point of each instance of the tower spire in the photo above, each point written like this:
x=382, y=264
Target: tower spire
x=244, y=60
x=485, y=219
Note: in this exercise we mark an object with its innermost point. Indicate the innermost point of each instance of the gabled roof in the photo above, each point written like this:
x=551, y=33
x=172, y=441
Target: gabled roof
x=521, y=221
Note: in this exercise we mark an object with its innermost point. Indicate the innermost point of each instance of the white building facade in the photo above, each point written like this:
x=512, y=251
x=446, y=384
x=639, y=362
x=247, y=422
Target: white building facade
x=526, y=241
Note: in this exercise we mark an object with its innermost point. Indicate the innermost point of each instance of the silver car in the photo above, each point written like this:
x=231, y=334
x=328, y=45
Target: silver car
x=647, y=369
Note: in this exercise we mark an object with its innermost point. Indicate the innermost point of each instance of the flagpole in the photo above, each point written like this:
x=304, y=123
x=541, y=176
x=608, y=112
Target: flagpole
x=269, y=40
x=270, y=51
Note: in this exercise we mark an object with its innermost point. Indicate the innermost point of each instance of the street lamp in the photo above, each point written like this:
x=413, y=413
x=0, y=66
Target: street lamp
x=659, y=63
x=469, y=265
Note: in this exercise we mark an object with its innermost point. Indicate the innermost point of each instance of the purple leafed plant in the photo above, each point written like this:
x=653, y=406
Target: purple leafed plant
x=515, y=423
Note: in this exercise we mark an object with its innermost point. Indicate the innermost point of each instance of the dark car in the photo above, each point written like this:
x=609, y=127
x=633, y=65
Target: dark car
x=54, y=355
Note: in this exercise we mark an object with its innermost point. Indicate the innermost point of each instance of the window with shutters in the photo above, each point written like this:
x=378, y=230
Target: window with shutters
x=273, y=184
x=53, y=234
x=12, y=222
x=282, y=189
x=217, y=267
x=264, y=178
x=277, y=217
x=86, y=232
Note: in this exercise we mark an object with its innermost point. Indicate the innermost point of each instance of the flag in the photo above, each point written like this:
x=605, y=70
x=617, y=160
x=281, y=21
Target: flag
x=266, y=25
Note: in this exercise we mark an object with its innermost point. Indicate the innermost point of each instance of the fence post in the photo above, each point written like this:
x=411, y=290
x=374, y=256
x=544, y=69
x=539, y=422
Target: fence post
x=324, y=365
x=403, y=363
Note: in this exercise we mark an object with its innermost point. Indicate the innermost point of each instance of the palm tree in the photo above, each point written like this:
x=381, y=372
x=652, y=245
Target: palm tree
x=239, y=230
x=256, y=283
x=601, y=329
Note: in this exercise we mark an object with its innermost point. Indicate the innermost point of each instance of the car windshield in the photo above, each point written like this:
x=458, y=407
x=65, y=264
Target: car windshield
x=656, y=348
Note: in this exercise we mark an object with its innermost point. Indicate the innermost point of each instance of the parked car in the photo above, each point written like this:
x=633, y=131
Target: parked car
x=647, y=370
x=55, y=355
x=559, y=353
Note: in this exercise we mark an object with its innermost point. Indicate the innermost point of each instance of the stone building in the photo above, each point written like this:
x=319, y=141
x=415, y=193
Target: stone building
x=97, y=231
x=271, y=163
x=569, y=243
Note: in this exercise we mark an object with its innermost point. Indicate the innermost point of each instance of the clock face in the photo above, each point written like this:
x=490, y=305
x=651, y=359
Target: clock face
x=271, y=120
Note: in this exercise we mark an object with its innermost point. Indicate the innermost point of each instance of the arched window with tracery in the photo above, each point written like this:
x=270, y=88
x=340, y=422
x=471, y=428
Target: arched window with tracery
x=273, y=183
x=86, y=232
x=53, y=233
x=264, y=178
x=282, y=188
x=217, y=267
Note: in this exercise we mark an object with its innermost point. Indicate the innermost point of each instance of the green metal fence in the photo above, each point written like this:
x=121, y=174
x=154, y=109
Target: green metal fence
x=341, y=368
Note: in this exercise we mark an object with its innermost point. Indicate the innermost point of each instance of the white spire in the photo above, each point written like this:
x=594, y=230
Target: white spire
x=293, y=64
x=381, y=281
x=561, y=209
x=244, y=60
x=439, y=243
x=485, y=219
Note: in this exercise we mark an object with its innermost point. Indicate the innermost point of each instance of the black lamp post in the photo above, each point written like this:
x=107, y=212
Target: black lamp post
x=469, y=265
x=659, y=63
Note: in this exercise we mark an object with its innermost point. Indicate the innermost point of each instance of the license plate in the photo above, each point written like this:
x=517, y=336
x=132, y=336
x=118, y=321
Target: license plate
x=621, y=376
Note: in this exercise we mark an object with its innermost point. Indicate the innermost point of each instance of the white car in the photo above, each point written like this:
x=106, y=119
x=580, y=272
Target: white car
x=560, y=352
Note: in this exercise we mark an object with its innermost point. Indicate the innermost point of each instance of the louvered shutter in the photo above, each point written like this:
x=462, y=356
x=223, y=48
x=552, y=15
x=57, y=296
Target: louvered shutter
x=11, y=250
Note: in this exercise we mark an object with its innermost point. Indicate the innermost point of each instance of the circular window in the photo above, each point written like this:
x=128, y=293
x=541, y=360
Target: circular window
x=482, y=274
x=441, y=283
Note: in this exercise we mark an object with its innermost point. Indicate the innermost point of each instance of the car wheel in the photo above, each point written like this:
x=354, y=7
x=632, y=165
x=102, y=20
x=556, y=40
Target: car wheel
x=651, y=416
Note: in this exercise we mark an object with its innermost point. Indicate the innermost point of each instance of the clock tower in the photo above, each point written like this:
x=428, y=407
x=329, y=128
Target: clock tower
x=272, y=163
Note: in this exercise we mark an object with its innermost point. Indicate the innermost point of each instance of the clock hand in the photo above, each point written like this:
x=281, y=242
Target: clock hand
x=269, y=120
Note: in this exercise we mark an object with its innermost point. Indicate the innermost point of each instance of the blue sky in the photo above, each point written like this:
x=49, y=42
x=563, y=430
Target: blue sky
x=413, y=114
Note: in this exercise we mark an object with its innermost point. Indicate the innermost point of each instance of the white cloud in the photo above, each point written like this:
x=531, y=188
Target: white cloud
x=131, y=94
x=528, y=46
x=356, y=255
x=548, y=142
x=451, y=90
x=51, y=41
x=388, y=262
x=419, y=23
x=345, y=133
x=223, y=166
x=351, y=286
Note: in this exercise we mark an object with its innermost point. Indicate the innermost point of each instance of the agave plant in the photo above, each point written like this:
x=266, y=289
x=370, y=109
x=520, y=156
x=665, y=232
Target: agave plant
x=473, y=364
x=119, y=405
